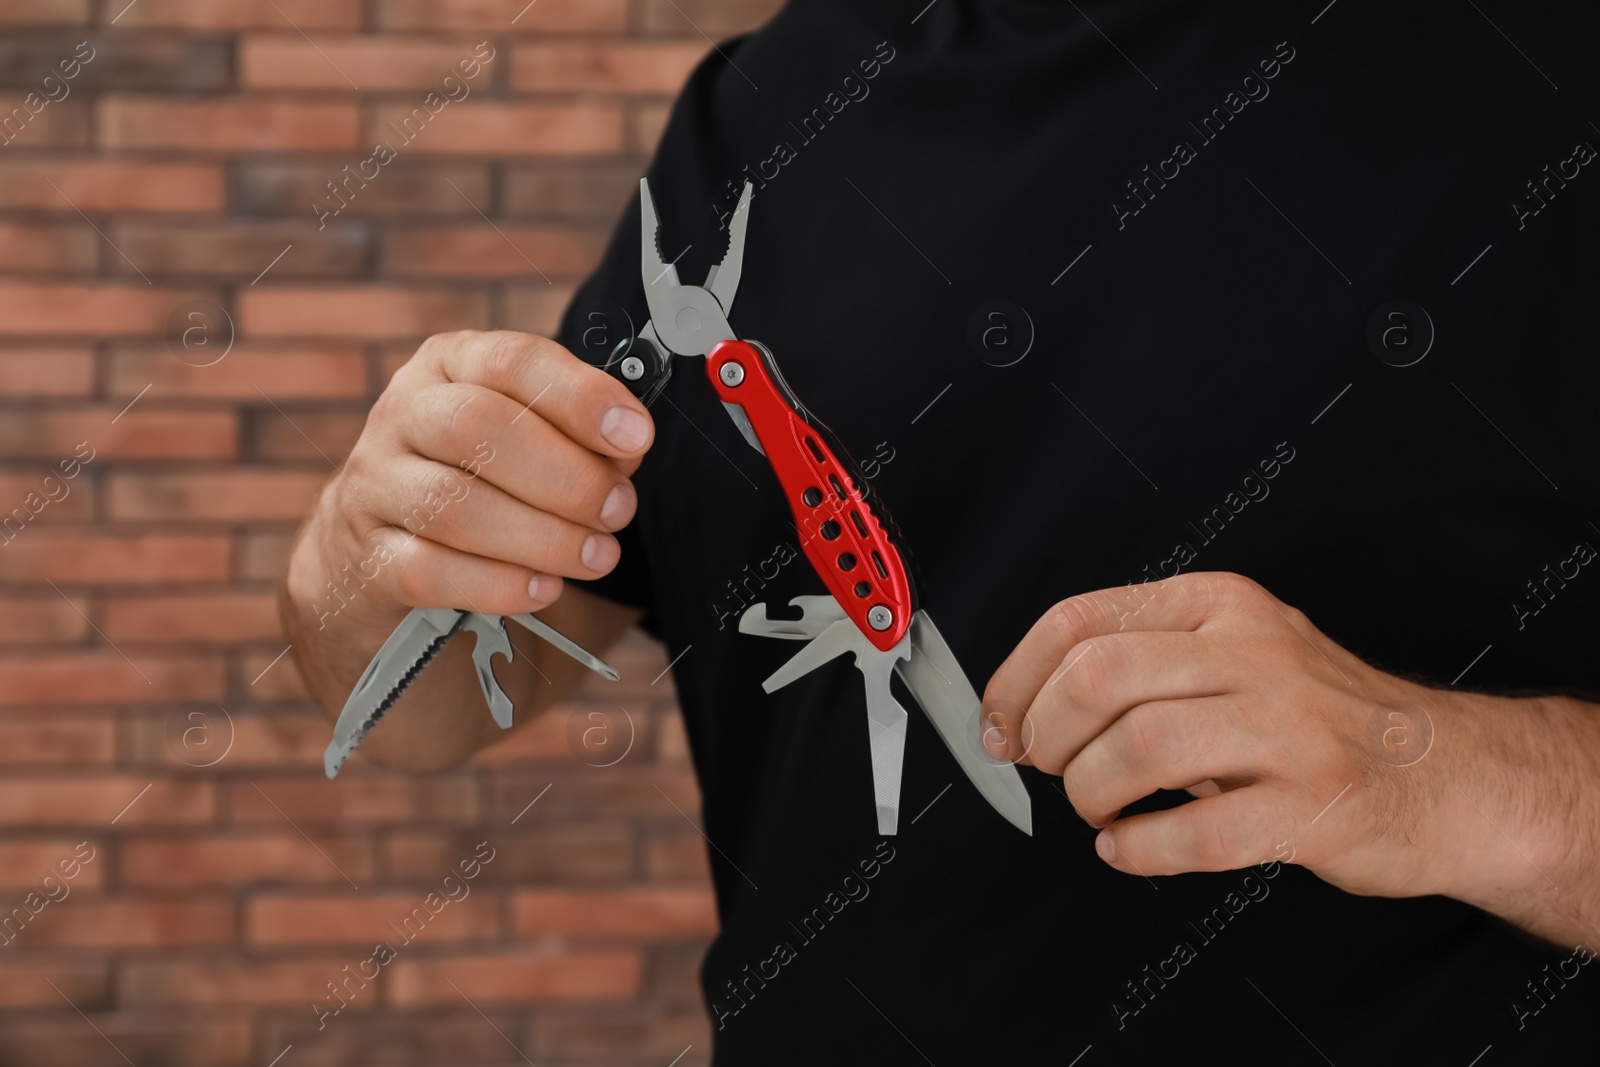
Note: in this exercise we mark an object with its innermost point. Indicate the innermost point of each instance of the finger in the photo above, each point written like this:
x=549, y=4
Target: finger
x=489, y=435
x=1221, y=833
x=441, y=504
x=1102, y=678
x=1176, y=604
x=583, y=402
x=421, y=573
x=1166, y=744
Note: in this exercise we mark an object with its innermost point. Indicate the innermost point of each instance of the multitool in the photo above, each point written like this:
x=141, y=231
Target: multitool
x=870, y=610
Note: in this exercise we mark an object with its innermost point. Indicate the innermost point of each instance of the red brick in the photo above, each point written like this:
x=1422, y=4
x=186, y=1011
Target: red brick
x=45, y=741
x=537, y=308
x=225, y=125
x=239, y=249
x=354, y=798
x=275, y=920
x=619, y=913
x=672, y=743
x=513, y=978
x=28, y=985
x=298, y=435
x=114, y=924
x=44, y=12
x=410, y=186
x=143, y=432
x=361, y=312
x=24, y=863
x=243, y=14
x=658, y=794
x=491, y=252
x=106, y=677
x=240, y=859
x=171, y=1040
x=503, y=16
x=76, y=506
x=96, y=801
x=269, y=678
x=89, y=308
x=678, y=857
x=46, y=372
x=229, y=618
x=289, y=61
x=647, y=121
x=605, y=67
x=283, y=372
x=571, y=188
x=453, y=1035
x=280, y=740
x=65, y=247
x=567, y=854
x=229, y=496
x=43, y=620
x=198, y=983
x=95, y=185
x=496, y=129
x=63, y=125
x=263, y=556
x=111, y=559
x=714, y=18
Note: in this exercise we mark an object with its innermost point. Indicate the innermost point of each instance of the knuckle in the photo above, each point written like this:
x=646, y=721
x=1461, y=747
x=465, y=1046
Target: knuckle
x=1073, y=617
x=504, y=357
x=408, y=579
x=1148, y=735
x=1086, y=669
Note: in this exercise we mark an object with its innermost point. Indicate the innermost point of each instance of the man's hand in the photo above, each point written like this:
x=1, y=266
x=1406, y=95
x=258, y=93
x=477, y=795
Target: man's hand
x=1298, y=750
x=492, y=467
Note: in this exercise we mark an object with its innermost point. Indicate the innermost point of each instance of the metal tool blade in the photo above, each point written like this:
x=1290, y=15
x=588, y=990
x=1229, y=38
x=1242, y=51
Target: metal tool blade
x=839, y=637
x=566, y=644
x=935, y=678
x=742, y=420
x=652, y=267
x=886, y=726
x=723, y=279
x=816, y=612
x=490, y=641
x=414, y=642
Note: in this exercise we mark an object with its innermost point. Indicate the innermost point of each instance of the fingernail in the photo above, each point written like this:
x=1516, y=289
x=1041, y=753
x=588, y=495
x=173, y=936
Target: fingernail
x=1105, y=847
x=994, y=739
x=600, y=552
x=544, y=588
x=625, y=428
x=618, y=508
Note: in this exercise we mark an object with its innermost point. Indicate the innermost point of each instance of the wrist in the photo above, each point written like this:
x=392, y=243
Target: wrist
x=1513, y=818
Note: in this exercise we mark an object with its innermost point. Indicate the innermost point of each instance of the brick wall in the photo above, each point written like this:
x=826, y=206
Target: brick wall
x=186, y=345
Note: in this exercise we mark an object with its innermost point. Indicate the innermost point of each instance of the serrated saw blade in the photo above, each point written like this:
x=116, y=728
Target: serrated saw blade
x=413, y=644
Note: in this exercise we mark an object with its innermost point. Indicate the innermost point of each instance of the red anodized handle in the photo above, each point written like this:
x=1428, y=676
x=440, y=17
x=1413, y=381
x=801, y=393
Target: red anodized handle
x=840, y=533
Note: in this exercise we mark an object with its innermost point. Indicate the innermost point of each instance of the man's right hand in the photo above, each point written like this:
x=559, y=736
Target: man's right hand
x=493, y=465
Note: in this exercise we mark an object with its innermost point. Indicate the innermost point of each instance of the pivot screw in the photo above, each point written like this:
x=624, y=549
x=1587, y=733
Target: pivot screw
x=633, y=368
x=732, y=373
x=880, y=617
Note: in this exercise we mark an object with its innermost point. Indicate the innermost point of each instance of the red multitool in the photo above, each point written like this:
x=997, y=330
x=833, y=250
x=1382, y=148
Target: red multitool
x=871, y=610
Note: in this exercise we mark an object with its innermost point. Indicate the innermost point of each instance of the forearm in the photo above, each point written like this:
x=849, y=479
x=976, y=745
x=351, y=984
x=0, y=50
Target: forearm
x=1517, y=829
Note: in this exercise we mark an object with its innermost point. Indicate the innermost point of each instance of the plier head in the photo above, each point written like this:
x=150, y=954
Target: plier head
x=689, y=320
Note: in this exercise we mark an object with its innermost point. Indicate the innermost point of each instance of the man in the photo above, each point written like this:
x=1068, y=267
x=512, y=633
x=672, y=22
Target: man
x=1146, y=322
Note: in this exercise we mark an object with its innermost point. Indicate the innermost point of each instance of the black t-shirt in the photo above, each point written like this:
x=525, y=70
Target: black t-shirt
x=1069, y=280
